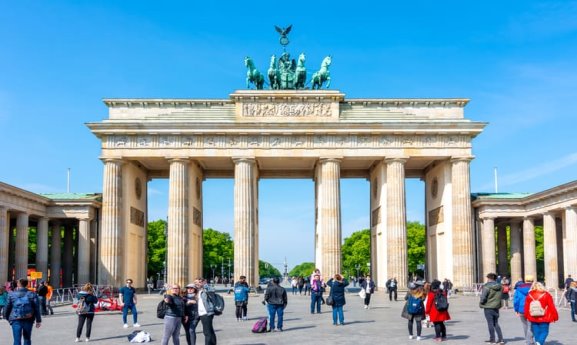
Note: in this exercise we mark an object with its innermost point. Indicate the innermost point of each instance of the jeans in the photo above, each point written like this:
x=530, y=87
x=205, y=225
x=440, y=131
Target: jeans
x=526, y=330
x=275, y=310
x=81, y=319
x=241, y=309
x=208, y=330
x=492, y=317
x=22, y=328
x=171, y=330
x=368, y=299
x=316, y=298
x=42, y=301
x=190, y=330
x=573, y=310
x=540, y=331
x=417, y=320
x=440, y=329
x=392, y=291
x=338, y=314
x=132, y=307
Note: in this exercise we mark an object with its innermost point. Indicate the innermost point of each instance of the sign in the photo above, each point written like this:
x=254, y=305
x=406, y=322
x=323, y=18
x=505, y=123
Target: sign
x=35, y=275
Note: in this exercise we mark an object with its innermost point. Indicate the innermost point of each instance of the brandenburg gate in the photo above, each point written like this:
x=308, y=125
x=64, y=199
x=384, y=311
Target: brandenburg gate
x=257, y=134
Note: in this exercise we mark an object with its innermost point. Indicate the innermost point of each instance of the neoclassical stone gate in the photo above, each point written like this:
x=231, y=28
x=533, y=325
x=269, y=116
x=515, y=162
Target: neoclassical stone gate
x=292, y=134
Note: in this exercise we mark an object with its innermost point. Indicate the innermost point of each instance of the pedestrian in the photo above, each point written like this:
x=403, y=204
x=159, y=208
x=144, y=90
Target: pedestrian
x=572, y=297
x=317, y=287
x=414, y=310
x=42, y=291
x=191, y=318
x=437, y=316
x=521, y=290
x=3, y=300
x=491, y=303
x=568, y=282
x=241, y=298
x=505, y=290
x=276, y=299
x=205, y=312
x=307, y=286
x=128, y=300
x=49, y=299
x=369, y=286
x=21, y=311
x=85, y=310
x=294, y=285
x=174, y=315
x=301, y=284
x=540, y=311
x=337, y=285
x=391, y=286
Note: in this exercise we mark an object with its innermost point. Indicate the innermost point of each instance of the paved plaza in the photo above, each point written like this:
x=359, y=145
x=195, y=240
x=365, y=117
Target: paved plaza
x=381, y=324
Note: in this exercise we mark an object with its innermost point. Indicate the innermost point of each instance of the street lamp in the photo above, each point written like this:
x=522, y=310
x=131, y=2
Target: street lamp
x=358, y=267
x=229, y=271
x=212, y=266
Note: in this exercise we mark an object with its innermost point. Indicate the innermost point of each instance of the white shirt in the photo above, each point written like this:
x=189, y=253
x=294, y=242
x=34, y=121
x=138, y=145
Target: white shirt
x=201, y=308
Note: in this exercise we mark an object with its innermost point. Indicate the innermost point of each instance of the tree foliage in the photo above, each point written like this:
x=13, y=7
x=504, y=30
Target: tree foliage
x=267, y=270
x=218, y=248
x=356, y=252
x=540, y=253
x=156, y=241
x=416, y=239
x=305, y=269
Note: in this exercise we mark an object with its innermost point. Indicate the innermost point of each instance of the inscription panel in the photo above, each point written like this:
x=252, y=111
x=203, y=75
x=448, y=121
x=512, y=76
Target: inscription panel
x=136, y=217
x=436, y=216
x=286, y=110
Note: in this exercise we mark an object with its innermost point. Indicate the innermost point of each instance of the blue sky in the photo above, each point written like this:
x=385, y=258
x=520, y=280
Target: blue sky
x=515, y=60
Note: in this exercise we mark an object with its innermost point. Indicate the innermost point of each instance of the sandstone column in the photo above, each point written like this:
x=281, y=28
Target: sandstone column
x=529, y=258
x=68, y=257
x=245, y=220
x=21, y=245
x=111, y=239
x=42, y=247
x=488, y=246
x=396, y=222
x=83, y=275
x=55, y=256
x=550, y=251
x=4, y=243
x=463, y=252
x=329, y=215
x=570, y=251
x=516, y=269
x=177, y=252
x=502, y=267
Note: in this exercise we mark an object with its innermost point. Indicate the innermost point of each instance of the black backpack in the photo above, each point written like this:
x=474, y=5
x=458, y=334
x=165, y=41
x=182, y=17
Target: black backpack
x=217, y=302
x=441, y=302
x=161, y=309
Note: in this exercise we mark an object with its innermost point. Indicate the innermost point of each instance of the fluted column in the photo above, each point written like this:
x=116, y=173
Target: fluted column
x=570, y=251
x=83, y=251
x=68, y=257
x=502, y=267
x=516, y=269
x=55, y=255
x=463, y=252
x=21, y=245
x=4, y=244
x=329, y=215
x=42, y=247
x=550, y=251
x=396, y=221
x=529, y=257
x=177, y=252
x=245, y=220
x=488, y=246
x=111, y=239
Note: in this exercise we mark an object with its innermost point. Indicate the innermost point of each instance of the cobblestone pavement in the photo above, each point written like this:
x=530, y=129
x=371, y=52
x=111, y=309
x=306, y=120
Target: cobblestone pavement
x=381, y=324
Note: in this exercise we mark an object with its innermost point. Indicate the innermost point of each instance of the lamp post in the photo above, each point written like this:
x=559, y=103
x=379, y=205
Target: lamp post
x=358, y=267
x=213, y=266
x=229, y=272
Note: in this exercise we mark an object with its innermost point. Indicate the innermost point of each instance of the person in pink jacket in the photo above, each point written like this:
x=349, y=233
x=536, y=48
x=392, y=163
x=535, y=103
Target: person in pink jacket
x=540, y=318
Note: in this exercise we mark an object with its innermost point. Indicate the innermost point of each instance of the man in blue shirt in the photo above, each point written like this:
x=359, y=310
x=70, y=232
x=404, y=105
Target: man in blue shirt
x=22, y=315
x=127, y=298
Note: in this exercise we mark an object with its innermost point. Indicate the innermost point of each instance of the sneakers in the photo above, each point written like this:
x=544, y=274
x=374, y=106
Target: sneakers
x=419, y=338
x=125, y=325
x=366, y=307
x=136, y=325
x=77, y=340
x=87, y=340
x=411, y=337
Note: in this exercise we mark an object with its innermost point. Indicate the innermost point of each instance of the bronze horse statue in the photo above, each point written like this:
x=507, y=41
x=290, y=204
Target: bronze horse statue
x=253, y=75
x=322, y=75
x=301, y=73
x=273, y=74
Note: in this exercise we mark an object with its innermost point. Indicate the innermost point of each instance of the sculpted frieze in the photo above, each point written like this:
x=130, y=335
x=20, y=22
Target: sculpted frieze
x=286, y=110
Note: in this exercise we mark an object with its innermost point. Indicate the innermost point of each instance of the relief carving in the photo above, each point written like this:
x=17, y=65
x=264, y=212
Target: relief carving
x=136, y=217
x=436, y=216
x=196, y=217
x=286, y=110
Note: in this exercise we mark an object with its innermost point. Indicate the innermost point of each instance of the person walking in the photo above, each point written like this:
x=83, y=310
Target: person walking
x=521, y=290
x=391, y=286
x=301, y=284
x=337, y=285
x=294, y=285
x=572, y=298
x=505, y=290
x=276, y=299
x=206, y=312
x=241, y=298
x=317, y=287
x=540, y=311
x=86, y=313
x=128, y=300
x=22, y=310
x=191, y=319
x=369, y=286
x=491, y=303
x=437, y=316
x=415, y=308
x=3, y=300
x=42, y=291
x=49, y=299
x=174, y=315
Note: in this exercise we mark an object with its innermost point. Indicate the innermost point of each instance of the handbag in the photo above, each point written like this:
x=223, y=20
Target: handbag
x=330, y=300
x=363, y=293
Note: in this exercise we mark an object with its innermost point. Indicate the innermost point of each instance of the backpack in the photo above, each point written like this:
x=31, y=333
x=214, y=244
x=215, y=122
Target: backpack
x=260, y=325
x=82, y=307
x=217, y=302
x=506, y=288
x=240, y=293
x=414, y=305
x=161, y=309
x=22, y=307
x=441, y=302
x=535, y=307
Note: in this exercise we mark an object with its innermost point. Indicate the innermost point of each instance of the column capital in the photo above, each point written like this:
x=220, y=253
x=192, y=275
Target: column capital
x=178, y=159
x=484, y=219
x=237, y=160
x=567, y=208
x=462, y=159
x=118, y=160
x=330, y=159
x=85, y=218
x=401, y=160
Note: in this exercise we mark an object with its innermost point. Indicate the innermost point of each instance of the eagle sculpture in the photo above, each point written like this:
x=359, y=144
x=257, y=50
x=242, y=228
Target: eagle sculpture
x=285, y=31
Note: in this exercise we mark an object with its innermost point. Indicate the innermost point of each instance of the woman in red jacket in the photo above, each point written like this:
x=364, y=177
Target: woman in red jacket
x=436, y=316
x=540, y=318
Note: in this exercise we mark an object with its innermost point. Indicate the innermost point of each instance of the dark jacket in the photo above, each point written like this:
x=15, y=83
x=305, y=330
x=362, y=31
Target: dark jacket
x=89, y=299
x=572, y=295
x=175, y=305
x=33, y=299
x=338, y=291
x=42, y=290
x=371, y=286
x=190, y=310
x=491, y=296
x=275, y=295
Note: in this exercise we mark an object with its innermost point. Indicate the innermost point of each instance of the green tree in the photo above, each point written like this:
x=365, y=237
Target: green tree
x=217, y=248
x=305, y=269
x=540, y=253
x=156, y=246
x=356, y=252
x=267, y=270
x=416, y=239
